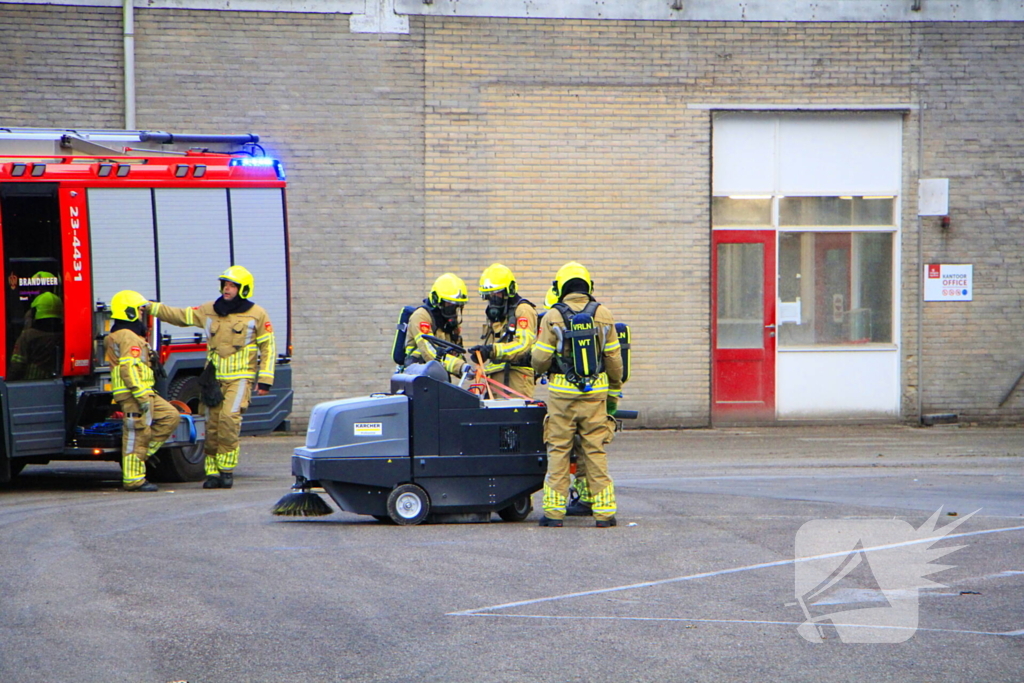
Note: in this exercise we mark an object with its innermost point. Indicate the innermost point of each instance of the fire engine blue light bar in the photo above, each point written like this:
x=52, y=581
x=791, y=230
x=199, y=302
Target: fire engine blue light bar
x=262, y=162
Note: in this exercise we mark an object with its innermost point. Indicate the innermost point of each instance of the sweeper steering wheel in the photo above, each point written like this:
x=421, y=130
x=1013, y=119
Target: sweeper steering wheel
x=408, y=504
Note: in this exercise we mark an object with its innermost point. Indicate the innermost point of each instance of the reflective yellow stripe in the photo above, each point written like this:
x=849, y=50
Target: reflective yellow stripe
x=227, y=461
x=541, y=346
x=522, y=341
x=242, y=364
x=604, y=502
x=133, y=469
x=141, y=375
x=553, y=501
x=580, y=484
x=426, y=349
x=560, y=385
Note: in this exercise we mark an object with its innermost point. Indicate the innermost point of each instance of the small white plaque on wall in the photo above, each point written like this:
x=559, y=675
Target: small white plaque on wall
x=933, y=197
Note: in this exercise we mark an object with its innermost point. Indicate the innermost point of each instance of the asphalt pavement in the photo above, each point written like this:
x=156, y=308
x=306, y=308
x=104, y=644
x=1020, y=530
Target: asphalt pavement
x=706, y=578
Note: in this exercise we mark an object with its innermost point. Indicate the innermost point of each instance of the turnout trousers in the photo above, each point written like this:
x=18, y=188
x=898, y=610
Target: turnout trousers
x=142, y=437
x=223, y=425
x=589, y=419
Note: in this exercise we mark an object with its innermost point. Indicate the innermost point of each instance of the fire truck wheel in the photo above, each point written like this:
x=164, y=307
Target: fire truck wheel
x=181, y=463
x=518, y=511
x=185, y=388
x=408, y=504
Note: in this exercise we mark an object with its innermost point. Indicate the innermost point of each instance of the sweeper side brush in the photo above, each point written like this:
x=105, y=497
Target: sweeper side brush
x=302, y=503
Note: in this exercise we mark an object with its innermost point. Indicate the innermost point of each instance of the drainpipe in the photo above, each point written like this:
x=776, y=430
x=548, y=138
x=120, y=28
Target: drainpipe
x=128, y=23
x=920, y=268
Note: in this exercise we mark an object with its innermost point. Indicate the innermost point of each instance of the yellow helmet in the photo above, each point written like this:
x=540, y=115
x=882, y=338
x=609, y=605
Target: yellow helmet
x=48, y=305
x=572, y=271
x=450, y=288
x=125, y=305
x=241, y=277
x=496, y=278
x=551, y=298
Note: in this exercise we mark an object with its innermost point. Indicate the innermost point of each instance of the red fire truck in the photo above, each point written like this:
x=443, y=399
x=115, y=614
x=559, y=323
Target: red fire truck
x=85, y=214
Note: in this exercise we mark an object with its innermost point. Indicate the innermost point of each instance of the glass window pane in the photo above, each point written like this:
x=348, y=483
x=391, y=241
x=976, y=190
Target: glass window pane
x=739, y=212
x=835, y=288
x=826, y=211
x=740, y=296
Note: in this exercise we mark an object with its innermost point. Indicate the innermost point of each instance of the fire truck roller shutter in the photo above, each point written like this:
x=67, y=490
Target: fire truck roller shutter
x=121, y=223
x=195, y=246
x=258, y=241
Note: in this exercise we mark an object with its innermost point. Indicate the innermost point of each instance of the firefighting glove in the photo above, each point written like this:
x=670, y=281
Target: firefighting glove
x=612, y=404
x=147, y=412
x=486, y=352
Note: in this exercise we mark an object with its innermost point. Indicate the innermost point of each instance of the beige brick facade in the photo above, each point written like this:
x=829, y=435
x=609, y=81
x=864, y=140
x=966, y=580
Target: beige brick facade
x=533, y=142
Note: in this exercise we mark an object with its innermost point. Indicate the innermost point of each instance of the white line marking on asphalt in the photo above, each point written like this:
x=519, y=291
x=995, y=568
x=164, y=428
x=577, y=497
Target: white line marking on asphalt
x=721, y=572
x=1019, y=632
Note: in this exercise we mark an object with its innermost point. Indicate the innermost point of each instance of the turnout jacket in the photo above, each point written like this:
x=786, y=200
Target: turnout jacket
x=522, y=328
x=240, y=345
x=609, y=381
x=418, y=349
x=130, y=361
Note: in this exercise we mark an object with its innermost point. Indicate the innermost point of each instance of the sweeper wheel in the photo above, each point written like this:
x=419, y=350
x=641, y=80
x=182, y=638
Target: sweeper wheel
x=408, y=504
x=518, y=511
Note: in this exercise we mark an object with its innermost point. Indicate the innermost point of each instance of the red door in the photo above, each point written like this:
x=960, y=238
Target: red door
x=742, y=326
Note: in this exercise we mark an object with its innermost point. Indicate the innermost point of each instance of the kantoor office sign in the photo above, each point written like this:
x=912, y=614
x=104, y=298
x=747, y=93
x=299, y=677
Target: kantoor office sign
x=945, y=282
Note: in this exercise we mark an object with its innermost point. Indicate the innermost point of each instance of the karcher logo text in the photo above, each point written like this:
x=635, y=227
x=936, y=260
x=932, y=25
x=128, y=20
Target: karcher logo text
x=368, y=429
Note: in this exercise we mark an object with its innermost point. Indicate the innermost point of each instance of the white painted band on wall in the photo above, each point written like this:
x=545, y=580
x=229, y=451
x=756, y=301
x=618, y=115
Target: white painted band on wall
x=640, y=10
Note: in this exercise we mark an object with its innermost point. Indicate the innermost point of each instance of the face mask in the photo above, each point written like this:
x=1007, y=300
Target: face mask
x=496, y=307
x=450, y=312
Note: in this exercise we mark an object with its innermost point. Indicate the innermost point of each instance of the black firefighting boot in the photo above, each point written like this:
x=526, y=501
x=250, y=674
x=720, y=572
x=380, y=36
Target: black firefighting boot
x=605, y=523
x=213, y=482
x=547, y=521
x=146, y=487
x=577, y=508
x=227, y=480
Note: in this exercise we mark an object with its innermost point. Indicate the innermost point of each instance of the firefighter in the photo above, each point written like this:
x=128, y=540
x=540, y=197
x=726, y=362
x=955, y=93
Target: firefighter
x=441, y=317
x=241, y=352
x=579, y=348
x=149, y=420
x=510, y=332
x=35, y=351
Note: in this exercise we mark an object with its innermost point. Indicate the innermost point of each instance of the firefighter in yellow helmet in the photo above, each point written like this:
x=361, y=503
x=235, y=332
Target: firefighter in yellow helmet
x=149, y=420
x=441, y=317
x=36, y=350
x=580, y=500
x=241, y=353
x=510, y=332
x=584, y=363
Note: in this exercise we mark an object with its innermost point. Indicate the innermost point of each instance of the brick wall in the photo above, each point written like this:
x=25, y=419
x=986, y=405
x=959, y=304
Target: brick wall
x=971, y=77
x=533, y=142
x=61, y=67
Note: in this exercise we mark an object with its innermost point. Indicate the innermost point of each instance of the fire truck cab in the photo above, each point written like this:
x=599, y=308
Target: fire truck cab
x=85, y=214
